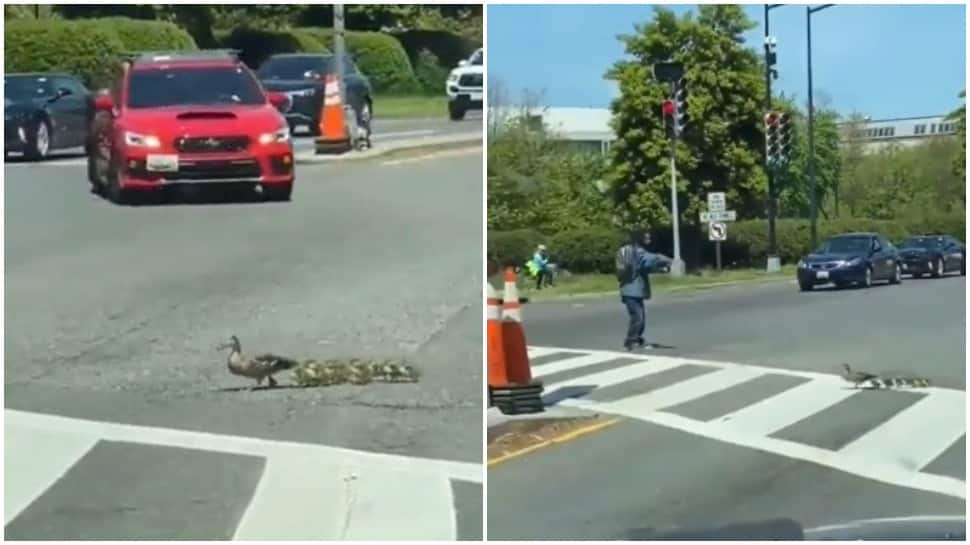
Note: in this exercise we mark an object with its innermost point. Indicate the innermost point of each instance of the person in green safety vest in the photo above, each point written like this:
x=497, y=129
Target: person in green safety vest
x=538, y=267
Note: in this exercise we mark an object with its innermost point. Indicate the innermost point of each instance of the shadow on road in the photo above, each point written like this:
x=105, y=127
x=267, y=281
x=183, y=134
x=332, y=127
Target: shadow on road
x=769, y=530
x=54, y=157
x=195, y=195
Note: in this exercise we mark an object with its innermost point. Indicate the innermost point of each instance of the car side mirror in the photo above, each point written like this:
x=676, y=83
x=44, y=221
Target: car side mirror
x=279, y=100
x=104, y=103
x=463, y=62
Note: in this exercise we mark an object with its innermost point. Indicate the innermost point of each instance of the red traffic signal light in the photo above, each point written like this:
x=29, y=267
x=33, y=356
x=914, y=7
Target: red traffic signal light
x=771, y=119
x=668, y=107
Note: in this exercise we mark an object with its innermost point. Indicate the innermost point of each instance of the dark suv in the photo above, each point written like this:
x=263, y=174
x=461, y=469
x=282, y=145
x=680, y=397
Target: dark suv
x=189, y=118
x=303, y=77
x=852, y=258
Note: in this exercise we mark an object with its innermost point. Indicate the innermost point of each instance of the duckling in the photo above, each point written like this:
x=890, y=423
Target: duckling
x=260, y=367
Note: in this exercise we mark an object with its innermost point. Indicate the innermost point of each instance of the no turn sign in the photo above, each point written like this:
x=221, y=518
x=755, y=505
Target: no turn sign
x=717, y=232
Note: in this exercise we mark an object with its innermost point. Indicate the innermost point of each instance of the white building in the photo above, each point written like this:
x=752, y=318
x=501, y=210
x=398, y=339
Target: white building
x=590, y=127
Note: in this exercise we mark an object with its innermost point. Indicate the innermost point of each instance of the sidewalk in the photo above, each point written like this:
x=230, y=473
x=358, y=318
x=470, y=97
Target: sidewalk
x=442, y=142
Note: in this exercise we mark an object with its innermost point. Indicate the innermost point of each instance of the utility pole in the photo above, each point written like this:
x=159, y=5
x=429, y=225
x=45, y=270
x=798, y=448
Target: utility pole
x=677, y=266
x=338, y=48
x=674, y=107
x=811, y=125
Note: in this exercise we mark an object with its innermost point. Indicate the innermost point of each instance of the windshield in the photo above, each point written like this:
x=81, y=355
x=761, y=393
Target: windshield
x=478, y=57
x=27, y=87
x=845, y=245
x=922, y=242
x=293, y=68
x=182, y=86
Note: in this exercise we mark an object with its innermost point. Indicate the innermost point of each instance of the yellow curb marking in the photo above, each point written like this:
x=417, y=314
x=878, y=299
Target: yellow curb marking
x=565, y=438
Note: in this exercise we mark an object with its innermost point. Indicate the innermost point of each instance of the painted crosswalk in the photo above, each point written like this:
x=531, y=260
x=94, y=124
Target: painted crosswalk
x=891, y=436
x=301, y=492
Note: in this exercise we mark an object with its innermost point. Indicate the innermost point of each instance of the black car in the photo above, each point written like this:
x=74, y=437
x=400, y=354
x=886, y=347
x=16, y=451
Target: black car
x=44, y=112
x=302, y=77
x=852, y=258
x=935, y=255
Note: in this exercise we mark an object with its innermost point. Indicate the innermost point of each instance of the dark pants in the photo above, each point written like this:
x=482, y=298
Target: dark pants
x=637, y=312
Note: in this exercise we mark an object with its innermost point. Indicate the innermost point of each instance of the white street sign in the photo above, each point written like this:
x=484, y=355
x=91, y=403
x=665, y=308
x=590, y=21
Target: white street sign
x=716, y=202
x=722, y=216
x=717, y=232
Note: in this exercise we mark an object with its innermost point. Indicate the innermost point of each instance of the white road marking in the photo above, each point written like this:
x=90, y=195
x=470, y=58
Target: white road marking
x=307, y=492
x=614, y=376
x=436, y=155
x=893, y=452
x=786, y=408
x=536, y=352
x=945, y=411
x=29, y=471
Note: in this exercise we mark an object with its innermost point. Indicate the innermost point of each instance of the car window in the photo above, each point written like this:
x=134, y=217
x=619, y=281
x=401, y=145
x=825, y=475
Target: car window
x=845, y=245
x=73, y=85
x=27, y=87
x=193, y=86
x=478, y=58
x=293, y=68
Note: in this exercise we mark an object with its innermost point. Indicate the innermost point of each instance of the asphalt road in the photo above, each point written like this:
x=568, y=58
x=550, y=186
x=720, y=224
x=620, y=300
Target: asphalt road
x=743, y=420
x=112, y=318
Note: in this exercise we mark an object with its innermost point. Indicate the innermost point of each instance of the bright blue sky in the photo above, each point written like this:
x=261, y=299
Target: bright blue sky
x=879, y=60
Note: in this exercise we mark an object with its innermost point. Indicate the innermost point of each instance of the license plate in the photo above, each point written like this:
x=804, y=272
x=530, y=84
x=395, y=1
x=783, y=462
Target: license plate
x=822, y=275
x=162, y=163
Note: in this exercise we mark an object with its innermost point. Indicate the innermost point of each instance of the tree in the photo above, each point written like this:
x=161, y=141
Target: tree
x=722, y=146
x=794, y=185
x=960, y=116
x=851, y=189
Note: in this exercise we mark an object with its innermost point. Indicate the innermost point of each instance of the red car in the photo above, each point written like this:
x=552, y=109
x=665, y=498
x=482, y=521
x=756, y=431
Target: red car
x=189, y=118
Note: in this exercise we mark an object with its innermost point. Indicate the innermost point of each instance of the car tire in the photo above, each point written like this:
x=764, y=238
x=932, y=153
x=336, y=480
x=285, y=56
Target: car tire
x=963, y=267
x=38, y=140
x=867, y=280
x=116, y=193
x=278, y=194
x=938, y=268
x=455, y=111
x=897, y=275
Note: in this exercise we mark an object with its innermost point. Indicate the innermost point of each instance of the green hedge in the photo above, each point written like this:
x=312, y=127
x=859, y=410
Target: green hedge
x=592, y=250
x=256, y=45
x=379, y=56
x=91, y=49
x=449, y=48
x=430, y=72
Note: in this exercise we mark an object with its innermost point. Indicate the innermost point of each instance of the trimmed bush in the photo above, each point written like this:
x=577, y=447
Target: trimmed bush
x=142, y=35
x=449, y=48
x=88, y=49
x=379, y=56
x=592, y=250
x=431, y=75
x=257, y=45
x=91, y=49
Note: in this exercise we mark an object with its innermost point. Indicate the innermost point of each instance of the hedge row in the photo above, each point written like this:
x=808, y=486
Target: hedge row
x=592, y=250
x=90, y=49
x=379, y=56
x=447, y=47
x=256, y=45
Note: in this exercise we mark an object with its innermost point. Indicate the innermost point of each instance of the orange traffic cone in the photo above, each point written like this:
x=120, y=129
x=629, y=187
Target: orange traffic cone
x=497, y=375
x=519, y=394
x=334, y=134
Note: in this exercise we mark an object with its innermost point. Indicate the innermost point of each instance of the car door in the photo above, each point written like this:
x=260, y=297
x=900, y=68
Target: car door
x=953, y=253
x=878, y=259
x=79, y=107
x=68, y=110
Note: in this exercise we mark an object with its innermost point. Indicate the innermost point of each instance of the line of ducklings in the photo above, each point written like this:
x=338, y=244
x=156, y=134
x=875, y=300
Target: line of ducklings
x=355, y=371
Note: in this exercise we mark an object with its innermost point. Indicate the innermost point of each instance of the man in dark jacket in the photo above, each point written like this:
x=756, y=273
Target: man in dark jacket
x=633, y=266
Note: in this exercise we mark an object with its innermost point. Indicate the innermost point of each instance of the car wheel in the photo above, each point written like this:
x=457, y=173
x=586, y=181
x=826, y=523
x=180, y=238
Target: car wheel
x=963, y=266
x=116, y=193
x=38, y=140
x=867, y=281
x=938, y=269
x=366, y=115
x=897, y=275
x=455, y=112
x=277, y=194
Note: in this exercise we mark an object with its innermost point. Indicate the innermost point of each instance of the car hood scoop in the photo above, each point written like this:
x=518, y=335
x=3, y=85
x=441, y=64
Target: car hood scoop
x=203, y=115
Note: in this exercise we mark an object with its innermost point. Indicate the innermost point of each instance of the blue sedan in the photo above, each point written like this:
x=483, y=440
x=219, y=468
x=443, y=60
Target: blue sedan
x=851, y=259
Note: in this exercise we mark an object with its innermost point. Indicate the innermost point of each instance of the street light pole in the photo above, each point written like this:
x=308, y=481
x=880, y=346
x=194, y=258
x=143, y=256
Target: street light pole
x=338, y=49
x=811, y=125
x=677, y=266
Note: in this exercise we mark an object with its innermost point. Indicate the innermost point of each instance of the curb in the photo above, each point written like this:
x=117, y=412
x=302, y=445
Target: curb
x=676, y=289
x=561, y=439
x=457, y=140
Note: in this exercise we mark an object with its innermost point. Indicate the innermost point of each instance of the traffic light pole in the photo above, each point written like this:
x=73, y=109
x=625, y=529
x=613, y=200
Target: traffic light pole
x=677, y=265
x=339, y=49
x=774, y=262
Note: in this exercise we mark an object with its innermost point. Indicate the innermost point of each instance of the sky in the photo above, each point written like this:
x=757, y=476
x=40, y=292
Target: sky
x=883, y=61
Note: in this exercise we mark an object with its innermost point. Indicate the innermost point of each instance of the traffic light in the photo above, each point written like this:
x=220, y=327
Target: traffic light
x=771, y=57
x=680, y=111
x=772, y=138
x=669, y=110
x=784, y=138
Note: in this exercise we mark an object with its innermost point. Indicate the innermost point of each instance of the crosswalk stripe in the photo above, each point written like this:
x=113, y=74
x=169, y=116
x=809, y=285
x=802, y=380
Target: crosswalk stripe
x=390, y=505
x=683, y=391
x=786, y=408
x=615, y=376
x=271, y=514
x=894, y=439
x=568, y=364
x=28, y=472
x=538, y=352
